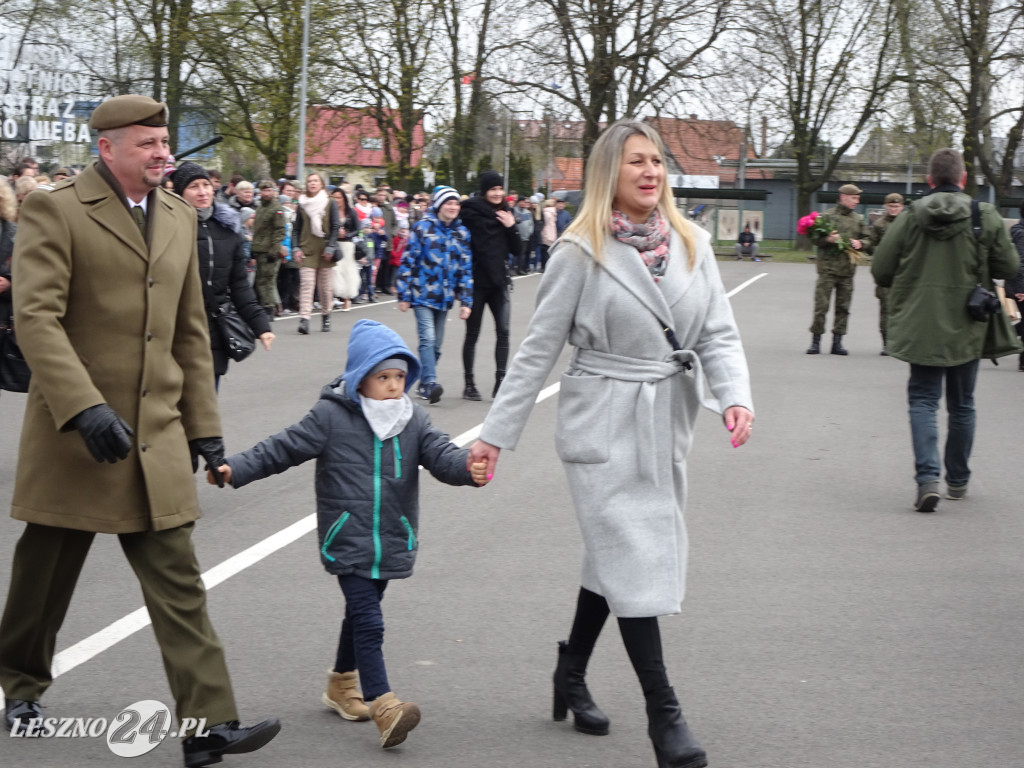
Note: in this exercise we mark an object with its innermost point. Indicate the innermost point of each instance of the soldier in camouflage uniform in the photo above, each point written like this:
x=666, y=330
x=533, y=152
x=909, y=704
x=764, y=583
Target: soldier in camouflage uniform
x=893, y=208
x=835, y=271
x=269, y=228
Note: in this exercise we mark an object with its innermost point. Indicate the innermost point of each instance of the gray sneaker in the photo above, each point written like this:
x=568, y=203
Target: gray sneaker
x=927, y=497
x=956, y=492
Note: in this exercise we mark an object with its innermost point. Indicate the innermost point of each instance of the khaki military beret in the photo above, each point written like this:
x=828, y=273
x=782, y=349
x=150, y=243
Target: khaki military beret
x=850, y=189
x=128, y=110
x=894, y=197
x=266, y=184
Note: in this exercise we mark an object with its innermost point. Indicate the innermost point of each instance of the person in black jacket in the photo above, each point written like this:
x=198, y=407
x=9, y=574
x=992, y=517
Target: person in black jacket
x=493, y=236
x=222, y=261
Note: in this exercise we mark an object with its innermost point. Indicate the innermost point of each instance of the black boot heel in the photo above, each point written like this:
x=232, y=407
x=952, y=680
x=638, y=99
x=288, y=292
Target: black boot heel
x=561, y=709
x=571, y=693
x=674, y=744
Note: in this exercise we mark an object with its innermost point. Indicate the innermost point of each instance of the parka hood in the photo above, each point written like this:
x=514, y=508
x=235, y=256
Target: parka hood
x=943, y=215
x=370, y=343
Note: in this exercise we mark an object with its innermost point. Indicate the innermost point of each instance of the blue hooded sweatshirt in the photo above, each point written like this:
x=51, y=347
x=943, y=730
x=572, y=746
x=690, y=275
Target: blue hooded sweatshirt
x=367, y=490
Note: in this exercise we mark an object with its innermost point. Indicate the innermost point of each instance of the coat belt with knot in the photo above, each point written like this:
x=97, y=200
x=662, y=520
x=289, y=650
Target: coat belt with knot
x=649, y=373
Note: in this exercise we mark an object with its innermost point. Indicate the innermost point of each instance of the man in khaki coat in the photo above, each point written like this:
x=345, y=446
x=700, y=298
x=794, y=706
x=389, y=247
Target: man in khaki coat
x=121, y=406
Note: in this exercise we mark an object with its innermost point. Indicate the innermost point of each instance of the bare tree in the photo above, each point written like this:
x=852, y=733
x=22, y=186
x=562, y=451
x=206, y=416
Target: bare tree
x=973, y=48
x=608, y=59
x=249, y=55
x=824, y=69
x=386, y=71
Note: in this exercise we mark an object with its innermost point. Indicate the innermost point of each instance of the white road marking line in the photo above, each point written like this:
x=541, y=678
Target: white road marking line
x=95, y=644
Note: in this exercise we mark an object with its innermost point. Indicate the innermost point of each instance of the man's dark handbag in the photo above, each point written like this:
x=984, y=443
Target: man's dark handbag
x=14, y=371
x=239, y=340
x=984, y=306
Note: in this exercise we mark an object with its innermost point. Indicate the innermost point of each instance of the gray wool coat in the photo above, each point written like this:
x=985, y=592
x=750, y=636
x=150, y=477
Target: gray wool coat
x=627, y=405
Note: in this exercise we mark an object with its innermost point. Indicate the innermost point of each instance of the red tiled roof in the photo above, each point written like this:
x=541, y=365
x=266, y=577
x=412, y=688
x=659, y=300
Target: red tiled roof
x=567, y=173
x=348, y=136
x=694, y=143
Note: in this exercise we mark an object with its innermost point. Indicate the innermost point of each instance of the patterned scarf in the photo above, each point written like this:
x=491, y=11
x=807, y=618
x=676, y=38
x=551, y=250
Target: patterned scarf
x=651, y=239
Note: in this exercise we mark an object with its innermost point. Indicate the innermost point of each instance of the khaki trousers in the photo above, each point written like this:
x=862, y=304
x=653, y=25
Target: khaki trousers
x=47, y=563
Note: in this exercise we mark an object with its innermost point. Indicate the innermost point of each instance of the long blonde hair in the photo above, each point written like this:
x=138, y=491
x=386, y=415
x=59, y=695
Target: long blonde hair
x=8, y=202
x=601, y=178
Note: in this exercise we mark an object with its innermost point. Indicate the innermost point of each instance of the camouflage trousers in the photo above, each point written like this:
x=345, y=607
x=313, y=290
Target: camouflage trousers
x=266, y=279
x=843, y=286
x=882, y=294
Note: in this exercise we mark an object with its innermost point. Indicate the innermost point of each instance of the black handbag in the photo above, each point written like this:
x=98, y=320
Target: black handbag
x=239, y=340
x=14, y=371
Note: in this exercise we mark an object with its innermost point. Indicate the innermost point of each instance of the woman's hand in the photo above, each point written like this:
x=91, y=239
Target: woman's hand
x=267, y=339
x=483, y=452
x=740, y=422
x=465, y=312
x=403, y=306
x=5, y=285
x=506, y=217
x=298, y=255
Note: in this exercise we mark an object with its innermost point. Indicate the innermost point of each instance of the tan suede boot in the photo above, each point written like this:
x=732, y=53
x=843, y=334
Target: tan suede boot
x=341, y=696
x=394, y=718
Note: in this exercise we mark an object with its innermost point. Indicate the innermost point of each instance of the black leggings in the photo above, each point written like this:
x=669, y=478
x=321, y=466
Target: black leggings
x=642, y=638
x=497, y=299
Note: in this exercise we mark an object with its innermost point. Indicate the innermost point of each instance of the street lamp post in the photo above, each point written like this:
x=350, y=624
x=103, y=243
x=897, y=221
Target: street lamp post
x=301, y=165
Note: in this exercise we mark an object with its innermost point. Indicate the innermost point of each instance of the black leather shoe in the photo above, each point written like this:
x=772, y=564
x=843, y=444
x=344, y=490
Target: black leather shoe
x=228, y=738
x=18, y=713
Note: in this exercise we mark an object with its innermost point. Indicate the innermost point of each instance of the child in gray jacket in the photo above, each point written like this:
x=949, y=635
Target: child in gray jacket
x=368, y=439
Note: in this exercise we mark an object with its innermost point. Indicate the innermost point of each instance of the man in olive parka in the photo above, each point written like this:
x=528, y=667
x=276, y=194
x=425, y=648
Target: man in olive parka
x=930, y=260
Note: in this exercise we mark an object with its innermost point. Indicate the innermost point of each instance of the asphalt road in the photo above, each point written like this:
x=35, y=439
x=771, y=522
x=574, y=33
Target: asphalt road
x=827, y=624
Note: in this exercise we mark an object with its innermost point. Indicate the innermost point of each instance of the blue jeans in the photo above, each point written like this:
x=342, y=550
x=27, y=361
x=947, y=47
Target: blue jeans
x=924, y=390
x=430, y=329
x=362, y=634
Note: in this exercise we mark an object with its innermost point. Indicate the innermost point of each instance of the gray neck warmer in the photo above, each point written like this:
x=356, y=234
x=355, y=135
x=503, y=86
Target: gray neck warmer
x=204, y=213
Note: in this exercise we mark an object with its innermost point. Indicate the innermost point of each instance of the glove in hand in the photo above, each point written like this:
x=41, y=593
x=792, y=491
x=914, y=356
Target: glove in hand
x=106, y=435
x=211, y=449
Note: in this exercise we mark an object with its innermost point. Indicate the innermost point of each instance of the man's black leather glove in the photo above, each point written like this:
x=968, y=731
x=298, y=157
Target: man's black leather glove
x=106, y=434
x=211, y=449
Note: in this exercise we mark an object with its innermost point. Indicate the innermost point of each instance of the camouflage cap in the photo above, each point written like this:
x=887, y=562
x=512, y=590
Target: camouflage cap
x=266, y=184
x=130, y=109
x=850, y=189
x=894, y=197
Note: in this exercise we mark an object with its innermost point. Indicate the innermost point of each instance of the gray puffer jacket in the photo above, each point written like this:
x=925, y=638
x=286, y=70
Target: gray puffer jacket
x=367, y=491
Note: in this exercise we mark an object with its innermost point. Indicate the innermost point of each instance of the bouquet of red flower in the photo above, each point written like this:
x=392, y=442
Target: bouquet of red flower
x=818, y=225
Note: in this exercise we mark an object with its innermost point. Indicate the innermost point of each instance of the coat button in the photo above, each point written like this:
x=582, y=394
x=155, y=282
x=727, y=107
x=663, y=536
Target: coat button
x=151, y=282
x=149, y=337
x=145, y=392
x=143, y=447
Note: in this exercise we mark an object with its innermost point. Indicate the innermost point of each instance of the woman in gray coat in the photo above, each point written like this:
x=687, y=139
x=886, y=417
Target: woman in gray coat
x=635, y=290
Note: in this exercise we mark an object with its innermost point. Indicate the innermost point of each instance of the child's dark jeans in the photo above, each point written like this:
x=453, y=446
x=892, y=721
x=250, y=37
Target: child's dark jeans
x=362, y=634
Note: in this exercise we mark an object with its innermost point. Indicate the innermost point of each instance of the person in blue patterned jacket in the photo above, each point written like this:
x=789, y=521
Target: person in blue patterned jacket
x=436, y=270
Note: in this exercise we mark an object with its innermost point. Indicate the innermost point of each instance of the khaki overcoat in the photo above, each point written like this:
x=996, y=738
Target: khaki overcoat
x=104, y=318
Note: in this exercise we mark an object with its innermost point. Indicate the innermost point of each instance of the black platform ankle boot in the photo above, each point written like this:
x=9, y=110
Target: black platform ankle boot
x=325, y=323
x=499, y=376
x=815, y=347
x=571, y=693
x=837, y=345
x=674, y=744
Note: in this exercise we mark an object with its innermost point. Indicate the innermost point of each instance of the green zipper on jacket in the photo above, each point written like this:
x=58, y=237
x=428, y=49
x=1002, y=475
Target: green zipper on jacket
x=412, y=534
x=375, y=570
x=398, y=457
x=331, y=533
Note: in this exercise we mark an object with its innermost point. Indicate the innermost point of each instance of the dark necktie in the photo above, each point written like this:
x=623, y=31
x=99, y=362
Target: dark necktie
x=140, y=218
